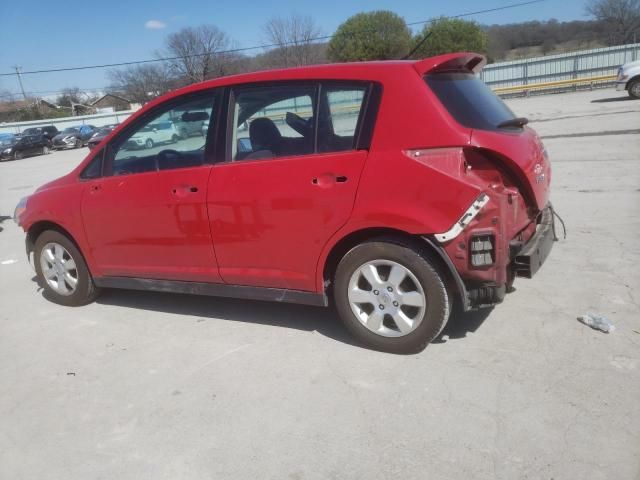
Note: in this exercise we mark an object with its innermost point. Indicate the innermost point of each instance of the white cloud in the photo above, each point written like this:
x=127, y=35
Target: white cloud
x=154, y=24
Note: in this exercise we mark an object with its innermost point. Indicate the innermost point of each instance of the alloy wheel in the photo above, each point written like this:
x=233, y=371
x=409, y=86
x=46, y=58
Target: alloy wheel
x=387, y=298
x=59, y=269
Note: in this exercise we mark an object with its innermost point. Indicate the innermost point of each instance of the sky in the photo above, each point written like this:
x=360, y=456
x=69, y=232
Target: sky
x=76, y=33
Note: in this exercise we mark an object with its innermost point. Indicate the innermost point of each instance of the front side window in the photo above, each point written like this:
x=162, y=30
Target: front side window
x=174, y=137
x=273, y=121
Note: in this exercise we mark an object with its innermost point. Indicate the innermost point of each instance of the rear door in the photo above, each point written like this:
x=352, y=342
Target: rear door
x=289, y=182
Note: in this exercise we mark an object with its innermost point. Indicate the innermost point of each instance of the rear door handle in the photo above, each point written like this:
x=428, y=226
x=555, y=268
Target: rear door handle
x=328, y=179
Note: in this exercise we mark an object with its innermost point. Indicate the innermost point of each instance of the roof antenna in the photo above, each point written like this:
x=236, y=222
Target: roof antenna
x=420, y=43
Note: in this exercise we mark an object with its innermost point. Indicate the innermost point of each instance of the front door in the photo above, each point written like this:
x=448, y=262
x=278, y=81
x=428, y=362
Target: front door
x=146, y=216
x=282, y=194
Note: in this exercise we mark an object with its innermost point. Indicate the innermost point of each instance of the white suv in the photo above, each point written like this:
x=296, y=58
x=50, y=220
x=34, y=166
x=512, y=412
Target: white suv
x=153, y=134
x=629, y=79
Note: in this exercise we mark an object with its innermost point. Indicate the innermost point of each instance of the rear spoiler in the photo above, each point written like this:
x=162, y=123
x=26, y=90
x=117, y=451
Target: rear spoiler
x=451, y=62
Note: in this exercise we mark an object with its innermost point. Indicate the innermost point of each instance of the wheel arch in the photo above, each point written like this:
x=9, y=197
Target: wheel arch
x=41, y=226
x=635, y=78
x=426, y=246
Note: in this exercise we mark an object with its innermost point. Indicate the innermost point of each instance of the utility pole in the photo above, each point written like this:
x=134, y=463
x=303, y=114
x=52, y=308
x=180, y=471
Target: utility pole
x=20, y=81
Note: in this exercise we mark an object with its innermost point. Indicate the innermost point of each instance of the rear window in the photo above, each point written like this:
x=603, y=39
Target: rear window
x=469, y=100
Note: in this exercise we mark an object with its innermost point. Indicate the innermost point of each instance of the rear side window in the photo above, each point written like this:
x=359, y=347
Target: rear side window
x=469, y=100
x=273, y=121
x=339, y=114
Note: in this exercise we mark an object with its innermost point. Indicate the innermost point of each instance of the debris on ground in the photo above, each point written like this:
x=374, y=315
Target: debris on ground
x=597, y=322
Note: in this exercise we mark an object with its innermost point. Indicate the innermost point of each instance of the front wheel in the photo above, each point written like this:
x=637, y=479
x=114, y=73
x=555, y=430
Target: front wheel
x=634, y=89
x=149, y=143
x=18, y=155
x=77, y=143
x=391, y=296
x=62, y=271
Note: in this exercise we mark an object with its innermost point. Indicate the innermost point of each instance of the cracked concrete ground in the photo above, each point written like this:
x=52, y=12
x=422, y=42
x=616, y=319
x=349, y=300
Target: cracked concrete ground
x=145, y=385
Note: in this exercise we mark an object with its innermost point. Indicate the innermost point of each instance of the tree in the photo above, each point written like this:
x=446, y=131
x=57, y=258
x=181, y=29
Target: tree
x=621, y=18
x=379, y=35
x=199, y=53
x=141, y=83
x=294, y=38
x=70, y=96
x=448, y=35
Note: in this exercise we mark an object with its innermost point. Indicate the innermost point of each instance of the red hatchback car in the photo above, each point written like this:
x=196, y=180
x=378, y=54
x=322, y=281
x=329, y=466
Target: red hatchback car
x=393, y=189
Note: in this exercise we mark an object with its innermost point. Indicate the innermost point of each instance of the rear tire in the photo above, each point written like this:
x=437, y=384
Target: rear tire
x=634, y=89
x=62, y=271
x=406, y=305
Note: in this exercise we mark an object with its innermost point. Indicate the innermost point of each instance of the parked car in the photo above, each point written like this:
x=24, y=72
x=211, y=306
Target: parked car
x=48, y=131
x=629, y=79
x=25, y=146
x=100, y=135
x=153, y=134
x=391, y=189
x=73, y=137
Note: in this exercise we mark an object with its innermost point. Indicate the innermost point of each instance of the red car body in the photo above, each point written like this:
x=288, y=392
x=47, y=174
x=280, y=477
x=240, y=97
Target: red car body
x=278, y=228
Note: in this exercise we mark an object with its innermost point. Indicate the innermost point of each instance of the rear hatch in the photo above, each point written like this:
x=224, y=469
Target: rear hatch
x=494, y=128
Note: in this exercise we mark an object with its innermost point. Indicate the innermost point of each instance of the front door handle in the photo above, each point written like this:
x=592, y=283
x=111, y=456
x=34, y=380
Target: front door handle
x=183, y=190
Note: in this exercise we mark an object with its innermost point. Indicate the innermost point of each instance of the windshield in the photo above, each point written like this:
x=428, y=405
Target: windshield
x=70, y=130
x=469, y=100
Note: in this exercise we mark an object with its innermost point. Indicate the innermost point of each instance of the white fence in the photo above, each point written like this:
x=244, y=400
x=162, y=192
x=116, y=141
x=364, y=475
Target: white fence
x=566, y=66
x=97, y=120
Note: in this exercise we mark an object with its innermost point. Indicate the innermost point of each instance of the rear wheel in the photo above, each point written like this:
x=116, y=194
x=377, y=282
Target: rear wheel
x=174, y=138
x=77, y=143
x=45, y=150
x=62, y=271
x=391, y=296
x=634, y=88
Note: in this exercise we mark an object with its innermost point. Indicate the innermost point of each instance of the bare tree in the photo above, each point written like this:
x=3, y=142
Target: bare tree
x=621, y=18
x=141, y=83
x=294, y=37
x=199, y=53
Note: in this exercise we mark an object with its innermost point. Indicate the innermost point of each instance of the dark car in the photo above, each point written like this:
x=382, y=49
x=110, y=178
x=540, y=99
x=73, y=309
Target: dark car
x=25, y=146
x=73, y=137
x=48, y=131
x=99, y=135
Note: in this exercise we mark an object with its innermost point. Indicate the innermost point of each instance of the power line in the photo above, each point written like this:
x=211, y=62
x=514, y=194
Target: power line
x=256, y=47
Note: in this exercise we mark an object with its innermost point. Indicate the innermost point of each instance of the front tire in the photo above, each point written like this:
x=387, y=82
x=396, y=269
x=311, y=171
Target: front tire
x=149, y=143
x=77, y=143
x=62, y=271
x=391, y=296
x=18, y=155
x=634, y=89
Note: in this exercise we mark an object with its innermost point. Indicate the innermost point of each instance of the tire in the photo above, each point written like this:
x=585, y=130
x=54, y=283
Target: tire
x=18, y=155
x=148, y=143
x=77, y=143
x=634, y=89
x=397, y=299
x=45, y=150
x=174, y=138
x=47, y=247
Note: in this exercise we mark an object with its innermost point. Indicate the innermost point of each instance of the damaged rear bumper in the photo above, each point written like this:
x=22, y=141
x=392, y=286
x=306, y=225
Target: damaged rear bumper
x=533, y=254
